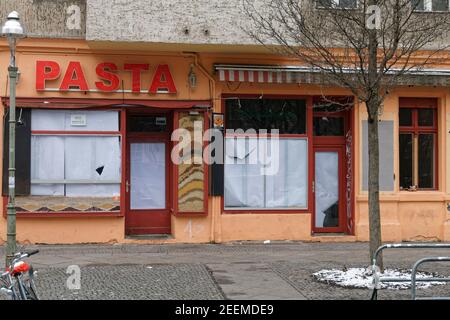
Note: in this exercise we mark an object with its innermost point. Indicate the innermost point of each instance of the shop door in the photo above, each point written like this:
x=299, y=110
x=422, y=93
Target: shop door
x=330, y=185
x=329, y=189
x=146, y=187
x=147, y=175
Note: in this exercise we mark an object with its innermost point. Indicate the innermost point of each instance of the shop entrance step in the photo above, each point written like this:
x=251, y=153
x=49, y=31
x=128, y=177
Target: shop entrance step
x=150, y=237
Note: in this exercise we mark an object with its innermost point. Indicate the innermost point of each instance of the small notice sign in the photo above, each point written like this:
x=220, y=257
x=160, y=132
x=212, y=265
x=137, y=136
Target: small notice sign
x=78, y=120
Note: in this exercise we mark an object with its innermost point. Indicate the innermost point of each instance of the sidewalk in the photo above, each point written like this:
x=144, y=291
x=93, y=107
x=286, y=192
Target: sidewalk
x=280, y=270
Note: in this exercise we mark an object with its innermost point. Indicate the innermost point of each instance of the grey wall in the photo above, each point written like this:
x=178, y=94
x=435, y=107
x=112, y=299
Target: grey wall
x=167, y=20
x=48, y=18
x=386, y=144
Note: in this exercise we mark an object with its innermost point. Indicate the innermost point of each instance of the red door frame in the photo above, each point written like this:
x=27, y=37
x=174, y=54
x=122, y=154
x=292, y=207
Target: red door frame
x=334, y=143
x=148, y=221
x=342, y=172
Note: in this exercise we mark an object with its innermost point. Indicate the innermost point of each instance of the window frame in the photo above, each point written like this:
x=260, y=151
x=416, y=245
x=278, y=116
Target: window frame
x=415, y=104
x=335, y=6
x=90, y=133
x=308, y=136
x=425, y=10
x=75, y=106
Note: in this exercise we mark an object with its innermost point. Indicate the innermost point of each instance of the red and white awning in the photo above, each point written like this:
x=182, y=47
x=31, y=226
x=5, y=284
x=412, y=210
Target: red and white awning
x=263, y=74
x=308, y=75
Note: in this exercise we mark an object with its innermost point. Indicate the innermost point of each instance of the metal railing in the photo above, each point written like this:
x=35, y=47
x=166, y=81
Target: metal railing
x=414, y=278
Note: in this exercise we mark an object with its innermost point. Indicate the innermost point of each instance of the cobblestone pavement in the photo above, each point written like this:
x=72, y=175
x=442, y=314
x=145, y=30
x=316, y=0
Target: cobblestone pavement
x=119, y=282
x=280, y=270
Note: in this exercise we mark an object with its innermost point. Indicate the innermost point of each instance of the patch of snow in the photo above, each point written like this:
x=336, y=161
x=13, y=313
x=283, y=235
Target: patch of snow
x=267, y=242
x=363, y=278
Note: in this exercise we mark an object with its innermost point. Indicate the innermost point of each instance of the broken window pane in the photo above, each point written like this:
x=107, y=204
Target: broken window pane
x=73, y=165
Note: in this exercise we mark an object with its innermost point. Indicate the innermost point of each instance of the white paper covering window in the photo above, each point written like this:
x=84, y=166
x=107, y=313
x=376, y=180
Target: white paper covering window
x=62, y=120
x=93, y=159
x=47, y=163
x=246, y=185
x=75, y=163
x=148, y=176
x=327, y=186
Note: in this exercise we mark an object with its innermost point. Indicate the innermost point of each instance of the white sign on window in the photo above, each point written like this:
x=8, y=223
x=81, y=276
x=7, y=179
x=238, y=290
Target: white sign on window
x=78, y=120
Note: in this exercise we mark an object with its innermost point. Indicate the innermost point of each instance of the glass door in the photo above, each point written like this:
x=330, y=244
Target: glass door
x=147, y=176
x=329, y=189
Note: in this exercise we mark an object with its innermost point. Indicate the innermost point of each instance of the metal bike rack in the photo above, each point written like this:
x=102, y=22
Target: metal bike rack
x=414, y=279
x=407, y=246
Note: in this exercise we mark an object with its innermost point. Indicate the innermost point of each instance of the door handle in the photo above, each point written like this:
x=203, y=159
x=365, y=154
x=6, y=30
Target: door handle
x=127, y=186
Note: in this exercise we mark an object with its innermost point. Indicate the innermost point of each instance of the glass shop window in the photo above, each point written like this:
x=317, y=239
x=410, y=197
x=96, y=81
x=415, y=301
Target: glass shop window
x=260, y=173
x=418, y=148
x=144, y=123
x=75, y=153
x=288, y=116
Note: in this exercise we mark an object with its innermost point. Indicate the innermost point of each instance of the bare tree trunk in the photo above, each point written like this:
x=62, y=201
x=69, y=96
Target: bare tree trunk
x=374, y=183
x=373, y=106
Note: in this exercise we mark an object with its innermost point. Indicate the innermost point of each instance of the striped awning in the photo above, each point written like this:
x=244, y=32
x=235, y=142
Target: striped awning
x=262, y=74
x=308, y=75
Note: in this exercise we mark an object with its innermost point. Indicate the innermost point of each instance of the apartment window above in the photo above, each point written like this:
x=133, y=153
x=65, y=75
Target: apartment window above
x=418, y=146
x=431, y=5
x=341, y=4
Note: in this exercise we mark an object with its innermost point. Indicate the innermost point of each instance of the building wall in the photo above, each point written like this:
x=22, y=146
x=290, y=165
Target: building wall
x=159, y=21
x=406, y=215
x=49, y=18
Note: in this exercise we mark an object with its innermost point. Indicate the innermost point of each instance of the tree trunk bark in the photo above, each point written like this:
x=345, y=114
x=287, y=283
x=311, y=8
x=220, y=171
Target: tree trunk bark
x=373, y=104
x=374, y=183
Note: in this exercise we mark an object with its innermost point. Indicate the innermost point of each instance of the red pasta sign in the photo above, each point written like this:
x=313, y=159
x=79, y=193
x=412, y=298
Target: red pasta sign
x=108, y=78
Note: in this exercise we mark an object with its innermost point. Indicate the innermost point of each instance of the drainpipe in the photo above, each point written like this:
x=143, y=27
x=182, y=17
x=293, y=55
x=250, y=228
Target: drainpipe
x=212, y=93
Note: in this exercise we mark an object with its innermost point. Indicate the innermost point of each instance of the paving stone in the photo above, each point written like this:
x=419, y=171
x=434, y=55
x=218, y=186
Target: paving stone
x=242, y=270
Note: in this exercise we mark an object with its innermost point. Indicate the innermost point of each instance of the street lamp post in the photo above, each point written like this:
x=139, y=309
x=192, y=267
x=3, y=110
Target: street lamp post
x=13, y=30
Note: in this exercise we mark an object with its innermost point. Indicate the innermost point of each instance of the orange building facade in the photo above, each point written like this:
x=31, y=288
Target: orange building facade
x=95, y=143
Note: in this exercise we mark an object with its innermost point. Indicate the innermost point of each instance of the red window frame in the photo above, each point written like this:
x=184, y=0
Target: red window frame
x=83, y=214
x=174, y=189
x=415, y=104
x=309, y=137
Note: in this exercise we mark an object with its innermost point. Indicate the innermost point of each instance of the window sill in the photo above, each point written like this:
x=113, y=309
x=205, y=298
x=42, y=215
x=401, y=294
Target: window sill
x=287, y=211
x=66, y=214
x=409, y=196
